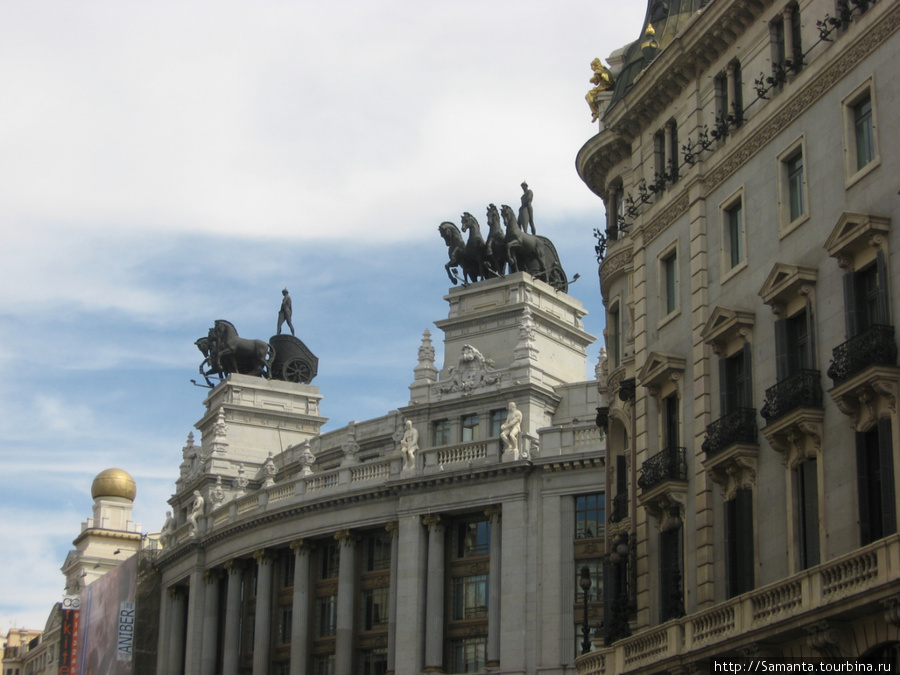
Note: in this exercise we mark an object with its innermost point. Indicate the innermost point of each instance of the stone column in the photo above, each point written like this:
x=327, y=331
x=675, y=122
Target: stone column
x=515, y=643
x=210, y=622
x=300, y=611
x=194, y=629
x=346, y=597
x=493, y=646
x=262, y=637
x=177, y=621
x=434, y=595
x=163, y=641
x=411, y=562
x=232, y=637
x=393, y=527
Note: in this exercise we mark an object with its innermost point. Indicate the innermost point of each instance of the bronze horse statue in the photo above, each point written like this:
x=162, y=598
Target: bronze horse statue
x=461, y=255
x=235, y=354
x=532, y=253
x=496, y=242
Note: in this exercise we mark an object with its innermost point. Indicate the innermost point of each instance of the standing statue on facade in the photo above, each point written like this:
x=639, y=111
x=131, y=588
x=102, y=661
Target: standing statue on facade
x=167, y=534
x=284, y=314
x=510, y=429
x=409, y=445
x=196, y=512
x=526, y=211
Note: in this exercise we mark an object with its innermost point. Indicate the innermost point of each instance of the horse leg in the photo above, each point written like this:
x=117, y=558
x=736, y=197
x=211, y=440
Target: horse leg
x=447, y=267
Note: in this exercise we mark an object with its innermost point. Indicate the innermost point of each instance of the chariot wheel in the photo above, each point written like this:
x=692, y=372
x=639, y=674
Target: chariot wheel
x=296, y=370
x=557, y=278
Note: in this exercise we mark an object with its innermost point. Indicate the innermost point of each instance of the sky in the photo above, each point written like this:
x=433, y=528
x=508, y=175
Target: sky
x=167, y=164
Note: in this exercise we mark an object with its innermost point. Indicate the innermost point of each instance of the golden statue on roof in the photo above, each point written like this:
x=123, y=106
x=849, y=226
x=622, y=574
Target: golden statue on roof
x=603, y=80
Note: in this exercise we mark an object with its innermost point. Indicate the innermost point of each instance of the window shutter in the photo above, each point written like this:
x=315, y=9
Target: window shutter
x=851, y=305
x=748, y=377
x=862, y=485
x=724, y=397
x=883, y=311
x=886, y=462
x=781, y=350
x=621, y=475
x=731, y=585
x=810, y=335
x=809, y=495
x=744, y=535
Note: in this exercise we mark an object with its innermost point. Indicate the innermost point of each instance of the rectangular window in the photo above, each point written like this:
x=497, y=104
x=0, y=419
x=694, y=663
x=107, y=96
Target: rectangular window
x=670, y=282
x=468, y=655
x=373, y=661
x=866, y=297
x=374, y=608
x=807, y=488
x=377, y=551
x=473, y=538
x=285, y=619
x=735, y=385
x=287, y=571
x=323, y=664
x=440, y=433
x=875, y=482
x=595, y=571
x=864, y=130
x=590, y=515
x=795, y=183
x=659, y=153
x=739, y=543
x=671, y=434
x=469, y=428
x=329, y=557
x=614, y=336
x=326, y=611
x=470, y=597
x=671, y=581
x=498, y=417
x=734, y=233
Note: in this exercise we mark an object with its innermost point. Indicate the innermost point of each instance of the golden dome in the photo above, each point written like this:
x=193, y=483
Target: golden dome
x=114, y=483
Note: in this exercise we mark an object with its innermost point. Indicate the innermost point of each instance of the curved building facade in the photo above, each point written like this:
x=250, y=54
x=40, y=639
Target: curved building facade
x=295, y=551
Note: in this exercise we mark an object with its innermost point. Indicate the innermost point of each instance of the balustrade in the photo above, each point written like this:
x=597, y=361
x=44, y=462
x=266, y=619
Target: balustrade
x=803, y=389
x=738, y=426
x=670, y=464
x=872, y=347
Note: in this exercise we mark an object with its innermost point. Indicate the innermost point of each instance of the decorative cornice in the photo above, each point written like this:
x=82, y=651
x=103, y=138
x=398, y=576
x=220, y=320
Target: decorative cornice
x=615, y=264
x=669, y=215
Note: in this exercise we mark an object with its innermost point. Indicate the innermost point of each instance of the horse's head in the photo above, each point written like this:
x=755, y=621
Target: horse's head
x=450, y=233
x=469, y=222
x=509, y=216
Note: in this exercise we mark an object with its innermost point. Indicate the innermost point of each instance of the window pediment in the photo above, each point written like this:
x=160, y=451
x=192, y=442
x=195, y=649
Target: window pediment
x=855, y=232
x=785, y=283
x=726, y=324
x=660, y=369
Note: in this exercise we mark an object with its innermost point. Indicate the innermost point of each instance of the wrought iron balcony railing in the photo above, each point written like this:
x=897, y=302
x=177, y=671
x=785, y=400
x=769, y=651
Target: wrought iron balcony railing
x=803, y=389
x=670, y=464
x=873, y=347
x=619, y=508
x=738, y=426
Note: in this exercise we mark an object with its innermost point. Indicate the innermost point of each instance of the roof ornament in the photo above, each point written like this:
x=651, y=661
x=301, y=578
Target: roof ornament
x=602, y=80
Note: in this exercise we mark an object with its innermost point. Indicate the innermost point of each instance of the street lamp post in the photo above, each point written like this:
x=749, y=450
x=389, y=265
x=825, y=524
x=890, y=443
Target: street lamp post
x=584, y=582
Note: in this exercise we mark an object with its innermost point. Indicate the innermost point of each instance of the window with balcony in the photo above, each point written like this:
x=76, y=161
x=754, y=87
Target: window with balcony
x=440, y=433
x=469, y=428
x=670, y=421
x=875, y=481
x=739, y=557
x=498, y=417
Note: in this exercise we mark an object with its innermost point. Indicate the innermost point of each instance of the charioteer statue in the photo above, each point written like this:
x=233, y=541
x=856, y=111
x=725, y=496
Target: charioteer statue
x=509, y=251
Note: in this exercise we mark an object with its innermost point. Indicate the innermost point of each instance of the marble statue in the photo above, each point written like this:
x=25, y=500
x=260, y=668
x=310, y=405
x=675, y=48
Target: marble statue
x=270, y=470
x=409, y=445
x=167, y=534
x=284, y=314
x=510, y=429
x=196, y=512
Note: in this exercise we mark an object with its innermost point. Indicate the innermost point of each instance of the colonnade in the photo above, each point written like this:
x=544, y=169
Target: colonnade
x=190, y=619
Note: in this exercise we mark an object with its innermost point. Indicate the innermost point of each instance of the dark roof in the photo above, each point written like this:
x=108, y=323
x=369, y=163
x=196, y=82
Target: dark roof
x=668, y=18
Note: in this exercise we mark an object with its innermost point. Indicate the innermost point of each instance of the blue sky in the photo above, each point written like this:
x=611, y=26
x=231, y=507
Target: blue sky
x=171, y=164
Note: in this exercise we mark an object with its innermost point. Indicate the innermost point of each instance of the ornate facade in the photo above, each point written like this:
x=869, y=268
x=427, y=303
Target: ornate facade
x=747, y=158
x=446, y=536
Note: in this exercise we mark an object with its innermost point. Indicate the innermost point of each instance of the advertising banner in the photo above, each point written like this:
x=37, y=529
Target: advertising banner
x=106, y=635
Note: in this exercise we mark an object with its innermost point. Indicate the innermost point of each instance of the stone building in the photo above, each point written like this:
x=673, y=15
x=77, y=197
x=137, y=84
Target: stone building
x=748, y=158
x=420, y=541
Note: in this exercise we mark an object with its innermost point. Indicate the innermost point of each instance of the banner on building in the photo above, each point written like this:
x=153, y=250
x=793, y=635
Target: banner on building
x=68, y=635
x=106, y=631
